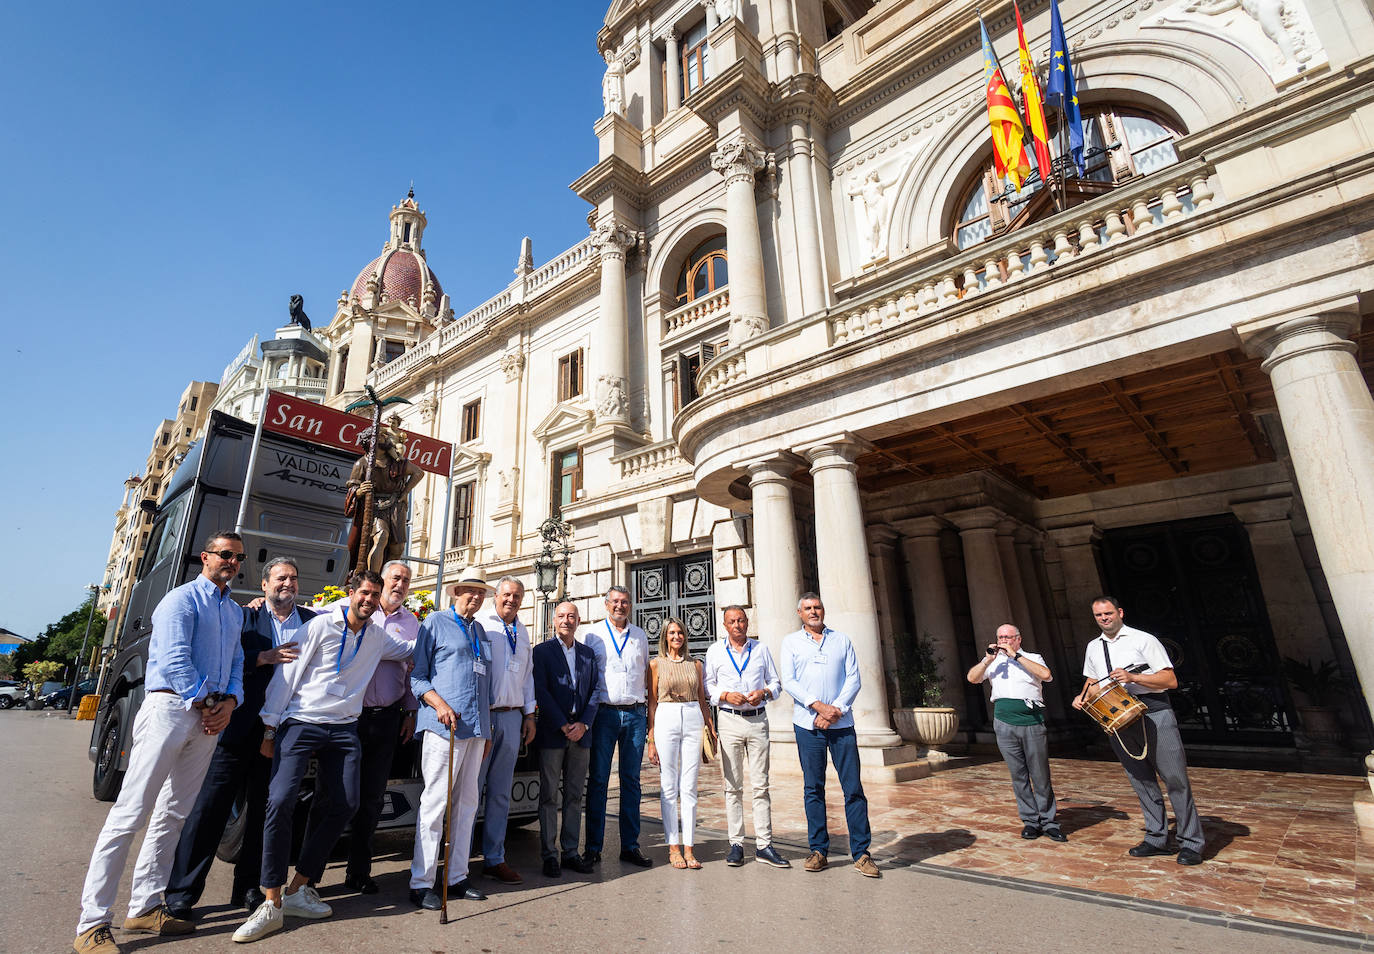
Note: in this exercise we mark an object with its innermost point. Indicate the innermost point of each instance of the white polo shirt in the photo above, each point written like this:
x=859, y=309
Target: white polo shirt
x=1010, y=680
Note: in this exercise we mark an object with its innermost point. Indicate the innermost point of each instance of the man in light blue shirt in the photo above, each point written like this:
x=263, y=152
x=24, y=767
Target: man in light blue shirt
x=194, y=680
x=821, y=673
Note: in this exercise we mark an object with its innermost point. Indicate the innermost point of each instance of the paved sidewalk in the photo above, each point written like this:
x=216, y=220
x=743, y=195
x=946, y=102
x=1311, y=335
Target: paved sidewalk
x=1280, y=846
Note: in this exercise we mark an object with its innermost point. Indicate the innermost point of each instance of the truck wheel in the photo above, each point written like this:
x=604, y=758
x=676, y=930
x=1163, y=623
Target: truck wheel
x=107, y=776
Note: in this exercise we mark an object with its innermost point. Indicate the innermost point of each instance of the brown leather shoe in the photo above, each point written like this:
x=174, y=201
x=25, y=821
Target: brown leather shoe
x=158, y=921
x=96, y=940
x=503, y=873
x=815, y=862
x=865, y=866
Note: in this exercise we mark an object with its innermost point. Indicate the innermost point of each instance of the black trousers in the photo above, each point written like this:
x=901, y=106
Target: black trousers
x=379, y=732
x=232, y=768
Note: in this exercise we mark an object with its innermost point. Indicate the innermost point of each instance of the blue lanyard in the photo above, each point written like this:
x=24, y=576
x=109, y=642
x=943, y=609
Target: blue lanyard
x=611, y=633
x=472, y=640
x=357, y=645
x=748, y=651
x=510, y=635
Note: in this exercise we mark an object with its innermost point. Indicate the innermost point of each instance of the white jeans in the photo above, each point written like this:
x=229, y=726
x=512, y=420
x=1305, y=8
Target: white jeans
x=745, y=739
x=168, y=760
x=429, y=820
x=677, y=731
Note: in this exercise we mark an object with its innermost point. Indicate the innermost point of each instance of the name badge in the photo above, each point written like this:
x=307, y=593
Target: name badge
x=818, y=659
x=618, y=666
x=479, y=667
x=337, y=689
x=512, y=665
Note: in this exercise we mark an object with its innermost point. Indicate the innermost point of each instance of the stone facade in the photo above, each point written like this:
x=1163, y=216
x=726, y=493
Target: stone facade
x=944, y=404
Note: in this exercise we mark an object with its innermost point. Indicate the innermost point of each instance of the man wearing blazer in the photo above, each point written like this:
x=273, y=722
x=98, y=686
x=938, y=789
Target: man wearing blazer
x=567, y=686
x=269, y=638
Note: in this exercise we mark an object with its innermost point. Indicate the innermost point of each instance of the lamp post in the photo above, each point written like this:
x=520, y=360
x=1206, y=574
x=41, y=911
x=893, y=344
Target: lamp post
x=71, y=696
x=551, y=566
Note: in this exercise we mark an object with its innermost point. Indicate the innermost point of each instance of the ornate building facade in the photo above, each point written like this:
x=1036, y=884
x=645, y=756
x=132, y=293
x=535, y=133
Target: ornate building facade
x=812, y=342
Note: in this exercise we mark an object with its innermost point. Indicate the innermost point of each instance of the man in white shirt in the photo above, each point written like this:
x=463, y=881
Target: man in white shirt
x=512, y=719
x=1119, y=650
x=313, y=703
x=1018, y=719
x=820, y=671
x=740, y=680
x=622, y=720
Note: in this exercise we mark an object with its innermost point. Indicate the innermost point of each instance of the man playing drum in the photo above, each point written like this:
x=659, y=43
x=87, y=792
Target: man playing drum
x=1018, y=718
x=1119, y=650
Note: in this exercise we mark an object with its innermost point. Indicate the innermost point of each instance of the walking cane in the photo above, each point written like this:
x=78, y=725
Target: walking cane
x=448, y=848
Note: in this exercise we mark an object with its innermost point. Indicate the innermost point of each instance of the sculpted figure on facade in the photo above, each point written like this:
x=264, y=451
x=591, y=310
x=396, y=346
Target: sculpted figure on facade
x=870, y=212
x=296, y=308
x=1277, y=33
x=726, y=9
x=512, y=364
x=611, y=402
x=613, y=86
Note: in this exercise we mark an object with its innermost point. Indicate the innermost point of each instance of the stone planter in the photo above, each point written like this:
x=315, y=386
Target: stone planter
x=1321, y=725
x=931, y=728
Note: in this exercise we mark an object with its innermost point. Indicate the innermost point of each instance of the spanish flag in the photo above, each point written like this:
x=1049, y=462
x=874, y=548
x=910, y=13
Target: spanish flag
x=1008, y=135
x=1034, y=103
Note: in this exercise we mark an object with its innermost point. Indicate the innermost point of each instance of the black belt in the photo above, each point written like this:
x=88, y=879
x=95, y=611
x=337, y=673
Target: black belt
x=626, y=708
x=505, y=708
x=375, y=709
x=743, y=712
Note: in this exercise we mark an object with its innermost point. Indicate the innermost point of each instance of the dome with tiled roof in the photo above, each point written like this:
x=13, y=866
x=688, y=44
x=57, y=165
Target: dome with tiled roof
x=401, y=269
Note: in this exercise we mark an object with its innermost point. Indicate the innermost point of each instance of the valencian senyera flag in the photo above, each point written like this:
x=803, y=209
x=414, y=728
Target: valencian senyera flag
x=1008, y=136
x=1060, y=90
x=1033, y=102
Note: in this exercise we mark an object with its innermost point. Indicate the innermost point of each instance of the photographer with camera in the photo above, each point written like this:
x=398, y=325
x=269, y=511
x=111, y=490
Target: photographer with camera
x=1018, y=719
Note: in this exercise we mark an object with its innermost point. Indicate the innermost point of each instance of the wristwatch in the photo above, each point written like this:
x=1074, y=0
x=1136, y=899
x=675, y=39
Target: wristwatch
x=269, y=734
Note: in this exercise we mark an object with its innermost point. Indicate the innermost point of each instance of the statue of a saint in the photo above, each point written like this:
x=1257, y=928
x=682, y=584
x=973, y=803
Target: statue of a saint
x=613, y=86
x=392, y=478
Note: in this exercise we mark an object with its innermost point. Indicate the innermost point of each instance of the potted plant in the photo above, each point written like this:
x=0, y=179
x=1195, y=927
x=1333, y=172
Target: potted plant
x=1321, y=686
x=922, y=718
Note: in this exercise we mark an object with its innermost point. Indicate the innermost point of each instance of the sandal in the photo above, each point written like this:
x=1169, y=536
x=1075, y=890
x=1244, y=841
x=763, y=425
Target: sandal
x=691, y=862
x=675, y=857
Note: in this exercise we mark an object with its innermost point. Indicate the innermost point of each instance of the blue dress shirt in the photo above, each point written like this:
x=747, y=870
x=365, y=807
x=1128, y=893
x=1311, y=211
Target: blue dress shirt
x=444, y=663
x=196, y=646
x=827, y=672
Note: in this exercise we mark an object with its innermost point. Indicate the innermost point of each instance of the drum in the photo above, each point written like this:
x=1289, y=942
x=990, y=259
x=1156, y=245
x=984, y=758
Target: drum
x=1112, y=707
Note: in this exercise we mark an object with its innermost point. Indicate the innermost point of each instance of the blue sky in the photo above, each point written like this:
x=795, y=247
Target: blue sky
x=172, y=173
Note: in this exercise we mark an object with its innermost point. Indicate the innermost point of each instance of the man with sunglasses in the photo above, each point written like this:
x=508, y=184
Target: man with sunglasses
x=193, y=682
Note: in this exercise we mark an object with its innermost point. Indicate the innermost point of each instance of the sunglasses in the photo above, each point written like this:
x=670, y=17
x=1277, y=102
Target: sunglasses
x=228, y=555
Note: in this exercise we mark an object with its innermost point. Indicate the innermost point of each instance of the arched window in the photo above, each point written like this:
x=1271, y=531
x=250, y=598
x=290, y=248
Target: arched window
x=704, y=271
x=1118, y=144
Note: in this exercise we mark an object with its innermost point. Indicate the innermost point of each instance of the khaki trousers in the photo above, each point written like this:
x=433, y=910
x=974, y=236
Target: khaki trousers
x=746, y=738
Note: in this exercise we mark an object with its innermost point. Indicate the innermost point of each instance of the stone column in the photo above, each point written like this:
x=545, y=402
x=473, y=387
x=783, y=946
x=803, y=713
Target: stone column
x=1016, y=590
x=1328, y=418
x=846, y=585
x=1029, y=558
x=930, y=601
x=777, y=570
x=799, y=171
x=989, y=603
x=1082, y=584
x=882, y=549
x=673, y=61
x=612, y=240
x=739, y=160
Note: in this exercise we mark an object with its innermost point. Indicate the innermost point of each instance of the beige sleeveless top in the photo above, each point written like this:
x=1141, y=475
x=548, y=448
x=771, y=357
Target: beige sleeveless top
x=677, y=680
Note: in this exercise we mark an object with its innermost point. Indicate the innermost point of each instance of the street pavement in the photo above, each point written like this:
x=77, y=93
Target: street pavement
x=50, y=822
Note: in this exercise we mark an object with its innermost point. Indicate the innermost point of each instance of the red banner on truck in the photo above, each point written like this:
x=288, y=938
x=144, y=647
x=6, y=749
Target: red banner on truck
x=297, y=417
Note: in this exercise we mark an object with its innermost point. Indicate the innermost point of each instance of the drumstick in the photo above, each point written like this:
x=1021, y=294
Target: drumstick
x=1135, y=670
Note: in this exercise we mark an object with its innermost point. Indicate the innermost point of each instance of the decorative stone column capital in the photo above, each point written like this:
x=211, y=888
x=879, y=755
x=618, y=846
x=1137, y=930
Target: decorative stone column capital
x=612, y=239
x=670, y=35
x=882, y=536
x=739, y=159
x=512, y=364
x=774, y=469
x=1331, y=330
x=840, y=451
x=927, y=526
x=978, y=518
x=1085, y=534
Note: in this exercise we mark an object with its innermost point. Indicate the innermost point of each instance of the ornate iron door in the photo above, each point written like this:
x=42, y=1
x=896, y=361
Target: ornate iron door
x=682, y=588
x=1192, y=583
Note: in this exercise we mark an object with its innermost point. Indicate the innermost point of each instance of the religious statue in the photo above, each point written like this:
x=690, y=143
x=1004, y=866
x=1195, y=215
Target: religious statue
x=613, y=86
x=726, y=9
x=378, y=491
x=297, y=310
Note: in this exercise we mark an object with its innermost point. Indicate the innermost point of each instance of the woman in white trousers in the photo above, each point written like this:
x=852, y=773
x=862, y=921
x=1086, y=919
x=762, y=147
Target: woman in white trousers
x=678, y=714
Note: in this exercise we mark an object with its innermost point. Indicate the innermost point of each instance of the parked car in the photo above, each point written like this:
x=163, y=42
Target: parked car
x=57, y=699
x=12, y=695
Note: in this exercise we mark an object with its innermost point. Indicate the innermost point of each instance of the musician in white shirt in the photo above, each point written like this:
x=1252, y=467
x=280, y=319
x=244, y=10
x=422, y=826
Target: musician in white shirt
x=1118, y=651
x=741, y=679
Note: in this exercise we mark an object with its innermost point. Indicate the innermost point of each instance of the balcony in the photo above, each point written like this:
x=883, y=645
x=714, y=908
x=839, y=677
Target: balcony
x=697, y=315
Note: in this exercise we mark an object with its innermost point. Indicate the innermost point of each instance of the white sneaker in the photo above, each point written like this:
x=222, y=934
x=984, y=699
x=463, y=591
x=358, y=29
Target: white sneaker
x=305, y=903
x=264, y=921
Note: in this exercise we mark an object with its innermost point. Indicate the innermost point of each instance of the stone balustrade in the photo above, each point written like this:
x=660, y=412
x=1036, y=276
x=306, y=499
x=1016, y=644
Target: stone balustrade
x=1115, y=218
x=724, y=371
x=298, y=384
x=573, y=260
x=712, y=307
x=651, y=459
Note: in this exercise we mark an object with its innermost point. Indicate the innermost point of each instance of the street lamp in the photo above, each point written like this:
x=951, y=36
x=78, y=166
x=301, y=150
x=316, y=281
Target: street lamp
x=551, y=566
x=71, y=696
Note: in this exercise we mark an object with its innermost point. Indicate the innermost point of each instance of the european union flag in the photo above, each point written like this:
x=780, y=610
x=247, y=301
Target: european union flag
x=1061, y=86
